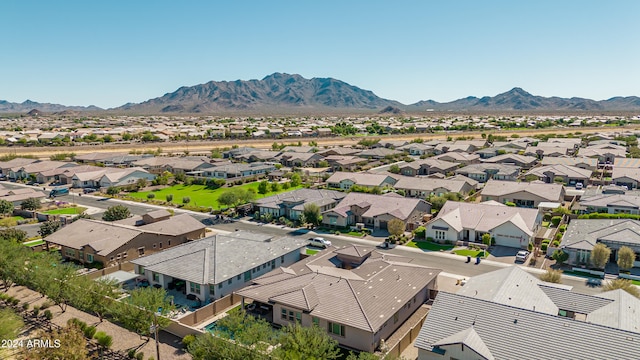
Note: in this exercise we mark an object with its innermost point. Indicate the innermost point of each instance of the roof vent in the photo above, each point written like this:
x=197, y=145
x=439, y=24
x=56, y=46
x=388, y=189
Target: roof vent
x=515, y=321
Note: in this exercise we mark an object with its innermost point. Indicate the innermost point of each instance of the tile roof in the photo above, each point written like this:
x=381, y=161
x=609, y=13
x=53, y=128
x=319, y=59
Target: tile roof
x=363, y=179
x=398, y=206
x=430, y=184
x=584, y=233
x=549, y=192
x=561, y=170
x=499, y=169
x=486, y=216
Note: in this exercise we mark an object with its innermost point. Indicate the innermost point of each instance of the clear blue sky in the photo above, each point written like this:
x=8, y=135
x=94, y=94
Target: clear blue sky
x=111, y=52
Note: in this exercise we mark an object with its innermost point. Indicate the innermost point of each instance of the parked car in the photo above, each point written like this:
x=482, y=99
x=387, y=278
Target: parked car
x=522, y=256
x=579, y=186
x=319, y=242
x=89, y=190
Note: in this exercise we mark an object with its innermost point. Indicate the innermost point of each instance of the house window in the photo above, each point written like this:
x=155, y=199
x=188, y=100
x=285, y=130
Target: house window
x=282, y=259
x=336, y=329
x=212, y=290
x=90, y=258
x=160, y=245
x=440, y=235
x=395, y=318
x=70, y=252
x=124, y=254
x=141, y=251
x=156, y=277
x=315, y=321
x=194, y=288
x=283, y=314
x=111, y=258
x=168, y=242
x=264, y=266
x=220, y=286
x=229, y=281
x=238, y=277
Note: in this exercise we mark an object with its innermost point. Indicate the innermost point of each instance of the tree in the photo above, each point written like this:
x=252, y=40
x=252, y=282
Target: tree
x=298, y=342
x=145, y=312
x=169, y=198
x=10, y=324
x=32, y=204
x=263, y=187
x=295, y=180
x=626, y=258
x=362, y=356
x=61, y=283
x=552, y=276
x=115, y=213
x=97, y=295
x=13, y=235
x=623, y=284
x=396, y=227
x=312, y=214
x=275, y=187
x=486, y=239
x=209, y=347
x=49, y=227
x=600, y=255
x=6, y=207
x=104, y=341
x=560, y=256
x=236, y=196
x=394, y=169
x=71, y=345
x=437, y=202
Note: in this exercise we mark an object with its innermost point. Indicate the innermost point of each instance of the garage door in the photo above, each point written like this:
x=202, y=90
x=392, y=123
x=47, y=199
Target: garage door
x=383, y=225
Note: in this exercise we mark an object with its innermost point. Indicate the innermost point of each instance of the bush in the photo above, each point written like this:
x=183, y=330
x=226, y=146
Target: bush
x=555, y=243
x=169, y=197
x=151, y=195
x=562, y=228
x=544, y=247
x=546, y=217
x=187, y=340
x=48, y=314
x=420, y=232
x=46, y=304
x=556, y=220
x=530, y=246
x=15, y=302
x=546, y=241
x=509, y=203
x=186, y=200
x=89, y=332
x=132, y=353
x=140, y=356
x=25, y=306
x=36, y=311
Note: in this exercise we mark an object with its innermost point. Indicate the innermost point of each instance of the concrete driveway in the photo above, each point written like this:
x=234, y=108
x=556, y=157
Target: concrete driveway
x=503, y=254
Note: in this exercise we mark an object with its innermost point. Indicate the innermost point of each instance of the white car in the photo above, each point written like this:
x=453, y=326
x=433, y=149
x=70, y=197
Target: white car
x=522, y=255
x=319, y=242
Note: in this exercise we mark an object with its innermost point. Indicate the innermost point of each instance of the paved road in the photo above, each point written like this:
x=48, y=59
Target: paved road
x=449, y=263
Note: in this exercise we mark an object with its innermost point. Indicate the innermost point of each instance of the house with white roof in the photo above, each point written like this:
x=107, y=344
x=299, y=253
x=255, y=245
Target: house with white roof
x=509, y=226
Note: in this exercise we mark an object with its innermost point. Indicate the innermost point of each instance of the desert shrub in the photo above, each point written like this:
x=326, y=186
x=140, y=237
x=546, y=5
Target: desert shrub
x=151, y=195
x=556, y=220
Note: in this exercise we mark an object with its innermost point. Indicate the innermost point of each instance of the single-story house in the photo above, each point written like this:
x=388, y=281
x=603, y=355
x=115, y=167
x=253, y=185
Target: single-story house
x=236, y=170
x=428, y=167
x=583, y=234
x=345, y=180
x=123, y=177
x=493, y=312
x=379, y=153
x=484, y=172
x=423, y=187
x=109, y=243
x=623, y=176
x=509, y=226
x=358, y=295
x=6, y=166
x=570, y=175
x=523, y=194
x=375, y=211
x=525, y=162
x=300, y=159
x=579, y=162
x=603, y=155
x=611, y=204
x=417, y=149
x=291, y=204
x=218, y=265
x=459, y=157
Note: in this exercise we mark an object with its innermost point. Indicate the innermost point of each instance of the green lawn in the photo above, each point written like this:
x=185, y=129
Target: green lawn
x=199, y=194
x=636, y=282
x=311, y=251
x=75, y=210
x=33, y=242
x=354, y=233
x=472, y=253
x=426, y=245
x=545, y=224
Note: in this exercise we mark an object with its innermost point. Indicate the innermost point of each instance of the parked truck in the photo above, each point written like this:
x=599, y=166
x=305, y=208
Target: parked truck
x=59, y=192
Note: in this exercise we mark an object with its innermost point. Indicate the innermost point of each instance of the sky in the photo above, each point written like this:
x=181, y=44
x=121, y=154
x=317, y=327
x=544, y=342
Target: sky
x=111, y=52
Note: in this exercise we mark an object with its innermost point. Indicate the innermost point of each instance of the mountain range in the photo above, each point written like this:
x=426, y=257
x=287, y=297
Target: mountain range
x=286, y=93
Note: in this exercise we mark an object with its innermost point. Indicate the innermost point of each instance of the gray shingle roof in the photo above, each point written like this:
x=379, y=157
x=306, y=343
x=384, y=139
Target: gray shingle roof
x=504, y=328
x=572, y=301
x=217, y=258
x=584, y=233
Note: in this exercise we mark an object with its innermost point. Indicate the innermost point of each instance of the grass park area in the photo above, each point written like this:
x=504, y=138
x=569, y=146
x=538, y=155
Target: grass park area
x=74, y=210
x=472, y=253
x=429, y=246
x=200, y=195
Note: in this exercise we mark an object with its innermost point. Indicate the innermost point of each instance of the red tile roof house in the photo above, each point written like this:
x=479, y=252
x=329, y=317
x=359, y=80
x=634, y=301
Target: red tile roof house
x=358, y=295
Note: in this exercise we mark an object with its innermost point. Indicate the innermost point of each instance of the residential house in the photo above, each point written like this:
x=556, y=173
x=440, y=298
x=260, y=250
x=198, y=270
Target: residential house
x=508, y=226
x=604, y=155
x=417, y=149
x=344, y=163
x=32, y=169
x=523, y=194
x=65, y=175
x=428, y=167
x=259, y=156
x=345, y=180
x=339, y=151
x=88, y=241
x=17, y=163
x=17, y=196
x=484, y=172
x=300, y=159
x=291, y=204
x=611, y=204
x=237, y=170
x=623, y=176
x=96, y=157
x=579, y=162
x=423, y=187
x=569, y=175
x=375, y=211
x=525, y=162
x=583, y=234
x=218, y=265
x=124, y=177
x=545, y=149
x=459, y=157
x=493, y=312
x=359, y=295
x=379, y=153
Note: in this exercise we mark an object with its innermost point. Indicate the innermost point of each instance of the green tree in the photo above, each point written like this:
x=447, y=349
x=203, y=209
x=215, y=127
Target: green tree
x=115, y=213
x=312, y=214
x=275, y=187
x=394, y=169
x=145, y=312
x=234, y=197
x=72, y=345
x=169, y=198
x=623, y=284
x=49, y=227
x=363, y=356
x=552, y=276
x=112, y=190
x=396, y=227
x=13, y=235
x=600, y=255
x=263, y=187
x=298, y=342
x=486, y=239
x=61, y=284
x=6, y=207
x=126, y=136
x=295, y=180
x=141, y=183
x=626, y=258
x=209, y=347
x=560, y=256
x=97, y=295
x=32, y=204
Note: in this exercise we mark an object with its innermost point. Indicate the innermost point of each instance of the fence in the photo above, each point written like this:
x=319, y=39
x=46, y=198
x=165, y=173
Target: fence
x=592, y=272
x=629, y=276
x=407, y=332
x=208, y=311
x=127, y=266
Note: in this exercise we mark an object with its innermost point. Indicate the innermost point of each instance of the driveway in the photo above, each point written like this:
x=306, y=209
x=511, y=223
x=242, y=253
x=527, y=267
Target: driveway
x=503, y=254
